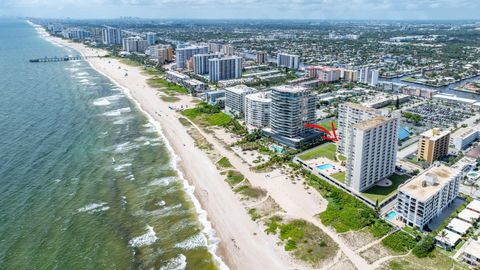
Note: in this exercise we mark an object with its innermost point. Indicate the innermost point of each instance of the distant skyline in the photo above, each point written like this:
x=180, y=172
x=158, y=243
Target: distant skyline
x=246, y=9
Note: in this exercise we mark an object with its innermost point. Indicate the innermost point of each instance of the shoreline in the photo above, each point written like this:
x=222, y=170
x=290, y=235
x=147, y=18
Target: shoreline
x=202, y=216
x=212, y=202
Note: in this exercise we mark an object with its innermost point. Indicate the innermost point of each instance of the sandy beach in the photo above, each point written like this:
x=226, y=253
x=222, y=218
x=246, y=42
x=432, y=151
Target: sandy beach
x=243, y=244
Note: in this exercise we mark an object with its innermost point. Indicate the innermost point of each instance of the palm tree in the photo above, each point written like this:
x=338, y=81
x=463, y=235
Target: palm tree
x=443, y=235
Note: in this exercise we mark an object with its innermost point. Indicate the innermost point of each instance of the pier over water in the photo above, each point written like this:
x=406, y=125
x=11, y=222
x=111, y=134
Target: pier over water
x=60, y=59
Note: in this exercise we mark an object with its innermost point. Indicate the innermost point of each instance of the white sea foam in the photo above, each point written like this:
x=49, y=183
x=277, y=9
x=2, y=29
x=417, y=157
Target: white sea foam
x=193, y=242
x=145, y=239
x=122, y=167
x=118, y=112
x=124, y=147
x=161, y=203
x=130, y=177
x=101, y=102
x=201, y=213
x=94, y=207
x=164, y=181
x=177, y=263
x=57, y=180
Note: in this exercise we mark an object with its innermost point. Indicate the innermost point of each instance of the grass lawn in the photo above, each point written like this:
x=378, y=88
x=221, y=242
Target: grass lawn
x=198, y=116
x=234, y=177
x=340, y=176
x=224, y=163
x=167, y=87
x=325, y=150
x=328, y=124
x=381, y=193
x=130, y=62
x=342, y=157
x=304, y=240
x=409, y=79
x=169, y=99
x=436, y=260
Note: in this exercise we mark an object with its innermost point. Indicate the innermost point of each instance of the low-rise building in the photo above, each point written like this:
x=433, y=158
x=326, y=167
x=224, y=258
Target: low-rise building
x=459, y=226
x=471, y=253
x=474, y=206
x=469, y=215
x=214, y=97
x=447, y=239
x=425, y=196
x=464, y=137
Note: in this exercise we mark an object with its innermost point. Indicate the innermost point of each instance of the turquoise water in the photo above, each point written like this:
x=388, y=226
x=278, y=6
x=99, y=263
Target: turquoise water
x=325, y=166
x=391, y=215
x=403, y=133
x=85, y=180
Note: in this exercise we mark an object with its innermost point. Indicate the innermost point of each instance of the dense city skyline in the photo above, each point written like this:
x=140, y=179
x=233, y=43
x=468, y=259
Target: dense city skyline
x=249, y=9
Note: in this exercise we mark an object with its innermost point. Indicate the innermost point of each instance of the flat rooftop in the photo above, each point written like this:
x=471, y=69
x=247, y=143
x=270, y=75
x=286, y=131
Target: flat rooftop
x=473, y=248
x=372, y=123
x=459, y=226
x=239, y=89
x=359, y=107
x=463, y=132
x=450, y=238
x=260, y=96
x=290, y=88
x=474, y=205
x=435, y=134
x=436, y=177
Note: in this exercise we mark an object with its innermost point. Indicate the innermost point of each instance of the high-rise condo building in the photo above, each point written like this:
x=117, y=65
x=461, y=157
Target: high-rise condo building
x=292, y=107
x=226, y=68
x=134, y=44
x=262, y=57
x=235, y=99
x=151, y=38
x=350, y=114
x=200, y=62
x=257, y=109
x=75, y=33
x=424, y=197
x=163, y=53
x=228, y=49
x=111, y=36
x=288, y=60
x=433, y=144
x=184, y=54
x=214, y=47
x=372, y=154
x=350, y=75
x=368, y=76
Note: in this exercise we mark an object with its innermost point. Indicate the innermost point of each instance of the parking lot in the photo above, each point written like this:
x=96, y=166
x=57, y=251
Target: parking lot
x=436, y=114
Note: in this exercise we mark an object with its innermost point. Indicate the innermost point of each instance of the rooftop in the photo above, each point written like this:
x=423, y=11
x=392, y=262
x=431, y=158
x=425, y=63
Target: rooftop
x=459, y=226
x=373, y=123
x=474, y=205
x=450, y=238
x=473, y=248
x=240, y=89
x=428, y=183
x=359, y=107
x=289, y=88
x=463, y=132
x=468, y=215
x=260, y=96
x=435, y=134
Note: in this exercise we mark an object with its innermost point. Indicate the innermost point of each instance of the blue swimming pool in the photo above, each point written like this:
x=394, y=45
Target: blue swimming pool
x=391, y=215
x=403, y=133
x=325, y=166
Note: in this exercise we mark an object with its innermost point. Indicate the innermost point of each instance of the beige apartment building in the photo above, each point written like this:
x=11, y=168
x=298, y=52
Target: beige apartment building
x=433, y=144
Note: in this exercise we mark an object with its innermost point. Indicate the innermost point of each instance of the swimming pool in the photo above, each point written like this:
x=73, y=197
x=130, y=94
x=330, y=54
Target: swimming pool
x=391, y=215
x=324, y=166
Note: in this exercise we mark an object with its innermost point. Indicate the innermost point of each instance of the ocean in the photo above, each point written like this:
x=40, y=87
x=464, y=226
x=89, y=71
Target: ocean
x=86, y=181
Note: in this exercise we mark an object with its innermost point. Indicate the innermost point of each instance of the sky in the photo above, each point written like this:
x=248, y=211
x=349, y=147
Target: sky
x=246, y=9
